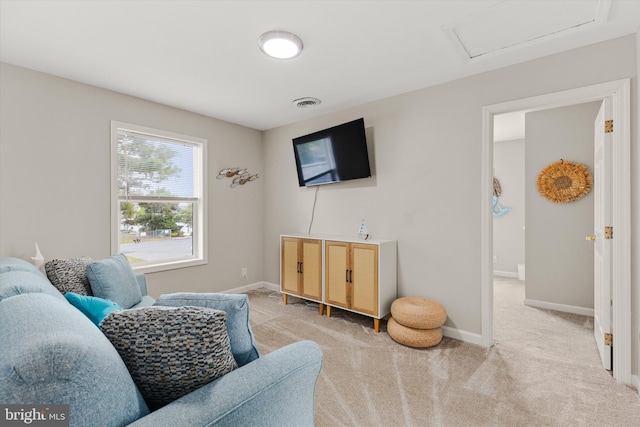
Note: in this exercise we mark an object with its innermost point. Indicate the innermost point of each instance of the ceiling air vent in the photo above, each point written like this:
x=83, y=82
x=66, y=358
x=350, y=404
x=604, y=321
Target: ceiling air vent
x=306, y=102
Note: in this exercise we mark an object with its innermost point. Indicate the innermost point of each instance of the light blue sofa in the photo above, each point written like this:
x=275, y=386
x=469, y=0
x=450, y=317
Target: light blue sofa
x=50, y=353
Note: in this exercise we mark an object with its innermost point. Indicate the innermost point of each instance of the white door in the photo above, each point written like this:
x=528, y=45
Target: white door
x=602, y=219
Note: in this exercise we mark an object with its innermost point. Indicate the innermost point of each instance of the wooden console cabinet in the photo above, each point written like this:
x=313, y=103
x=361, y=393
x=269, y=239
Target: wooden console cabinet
x=301, y=264
x=358, y=276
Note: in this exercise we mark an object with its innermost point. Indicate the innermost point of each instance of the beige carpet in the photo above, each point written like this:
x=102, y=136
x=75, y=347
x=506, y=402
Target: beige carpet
x=543, y=371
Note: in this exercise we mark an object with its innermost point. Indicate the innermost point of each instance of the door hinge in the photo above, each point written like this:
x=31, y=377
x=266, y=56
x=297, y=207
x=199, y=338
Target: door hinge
x=608, y=339
x=608, y=232
x=608, y=126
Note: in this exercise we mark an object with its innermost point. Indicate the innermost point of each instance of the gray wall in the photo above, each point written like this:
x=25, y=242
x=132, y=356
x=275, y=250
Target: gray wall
x=426, y=189
x=508, y=229
x=559, y=259
x=54, y=160
x=55, y=186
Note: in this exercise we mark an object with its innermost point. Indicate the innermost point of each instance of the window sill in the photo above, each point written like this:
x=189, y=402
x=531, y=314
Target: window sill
x=167, y=265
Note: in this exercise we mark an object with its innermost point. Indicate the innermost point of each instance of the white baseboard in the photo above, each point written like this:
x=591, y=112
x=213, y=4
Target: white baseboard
x=559, y=307
x=461, y=335
x=252, y=286
x=448, y=331
x=470, y=337
x=505, y=274
x=271, y=286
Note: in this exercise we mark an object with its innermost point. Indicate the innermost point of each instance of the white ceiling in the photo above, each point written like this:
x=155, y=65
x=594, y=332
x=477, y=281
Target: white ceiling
x=203, y=56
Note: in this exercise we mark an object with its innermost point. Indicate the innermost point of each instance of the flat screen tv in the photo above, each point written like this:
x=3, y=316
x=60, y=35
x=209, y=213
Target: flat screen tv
x=332, y=155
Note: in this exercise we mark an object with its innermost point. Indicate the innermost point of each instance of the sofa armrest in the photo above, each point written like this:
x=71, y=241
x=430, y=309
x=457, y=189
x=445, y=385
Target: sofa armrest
x=142, y=283
x=275, y=390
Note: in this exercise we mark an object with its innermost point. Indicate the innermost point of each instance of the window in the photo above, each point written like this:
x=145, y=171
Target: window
x=158, y=197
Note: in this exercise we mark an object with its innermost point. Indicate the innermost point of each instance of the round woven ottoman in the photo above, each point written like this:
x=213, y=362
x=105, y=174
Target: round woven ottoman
x=416, y=322
x=411, y=337
x=420, y=313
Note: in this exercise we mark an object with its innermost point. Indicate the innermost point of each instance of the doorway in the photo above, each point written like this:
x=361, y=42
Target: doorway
x=553, y=309
x=618, y=93
x=559, y=260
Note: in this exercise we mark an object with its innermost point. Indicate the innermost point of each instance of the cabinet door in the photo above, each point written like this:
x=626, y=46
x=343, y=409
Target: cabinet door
x=364, y=278
x=290, y=276
x=311, y=268
x=337, y=273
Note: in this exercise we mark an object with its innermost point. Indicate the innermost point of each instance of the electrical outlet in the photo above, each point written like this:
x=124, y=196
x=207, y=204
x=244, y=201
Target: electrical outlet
x=244, y=271
x=495, y=258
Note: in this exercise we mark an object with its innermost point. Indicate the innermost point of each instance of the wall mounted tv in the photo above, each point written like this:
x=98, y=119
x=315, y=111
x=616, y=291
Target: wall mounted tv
x=332, y=155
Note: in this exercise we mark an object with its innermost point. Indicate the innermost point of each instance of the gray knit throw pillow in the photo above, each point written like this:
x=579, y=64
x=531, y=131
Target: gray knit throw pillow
x=68, y=275
x=170, y=351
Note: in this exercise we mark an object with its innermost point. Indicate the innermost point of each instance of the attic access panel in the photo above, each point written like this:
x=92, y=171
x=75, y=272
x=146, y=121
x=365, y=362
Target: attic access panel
x=511, y=24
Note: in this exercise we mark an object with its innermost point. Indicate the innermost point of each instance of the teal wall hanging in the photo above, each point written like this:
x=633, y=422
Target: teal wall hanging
x=497, y=191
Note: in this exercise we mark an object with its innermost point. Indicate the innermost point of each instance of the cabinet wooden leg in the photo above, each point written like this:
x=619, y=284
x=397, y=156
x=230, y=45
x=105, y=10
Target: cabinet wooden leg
x=321, y=309
x=285, y=299
x=328, y=311
x=376, y=325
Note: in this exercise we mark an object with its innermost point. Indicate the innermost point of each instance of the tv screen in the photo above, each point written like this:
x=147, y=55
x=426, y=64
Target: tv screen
x=332, y=155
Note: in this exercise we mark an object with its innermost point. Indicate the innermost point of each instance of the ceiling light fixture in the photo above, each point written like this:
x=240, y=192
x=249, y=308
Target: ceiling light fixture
x=280, y=44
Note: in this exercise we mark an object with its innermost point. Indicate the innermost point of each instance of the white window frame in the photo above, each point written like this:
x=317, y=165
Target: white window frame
x=199, y=234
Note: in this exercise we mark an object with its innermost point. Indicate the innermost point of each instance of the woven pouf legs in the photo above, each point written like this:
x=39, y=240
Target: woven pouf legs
x=416, y=322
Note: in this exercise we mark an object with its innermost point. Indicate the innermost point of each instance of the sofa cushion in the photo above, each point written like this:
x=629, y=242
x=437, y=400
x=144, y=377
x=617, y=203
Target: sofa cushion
x=51, y=353
x=68, y=275
x=17, y=282
x=236, y=306
x=113, y=279
x=21, y=277
x=17, y=264
x=94, y=308
x=146, y=301
x=170, y=351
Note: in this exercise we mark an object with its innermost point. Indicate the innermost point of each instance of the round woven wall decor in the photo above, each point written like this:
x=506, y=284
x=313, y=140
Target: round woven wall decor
x=564, y=181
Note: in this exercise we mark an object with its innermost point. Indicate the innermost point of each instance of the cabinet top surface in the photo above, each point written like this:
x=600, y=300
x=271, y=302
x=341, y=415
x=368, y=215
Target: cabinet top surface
x=354, y=239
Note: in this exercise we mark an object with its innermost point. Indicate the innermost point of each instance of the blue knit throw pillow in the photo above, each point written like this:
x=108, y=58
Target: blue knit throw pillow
x=69, y=275
x=170, y=351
